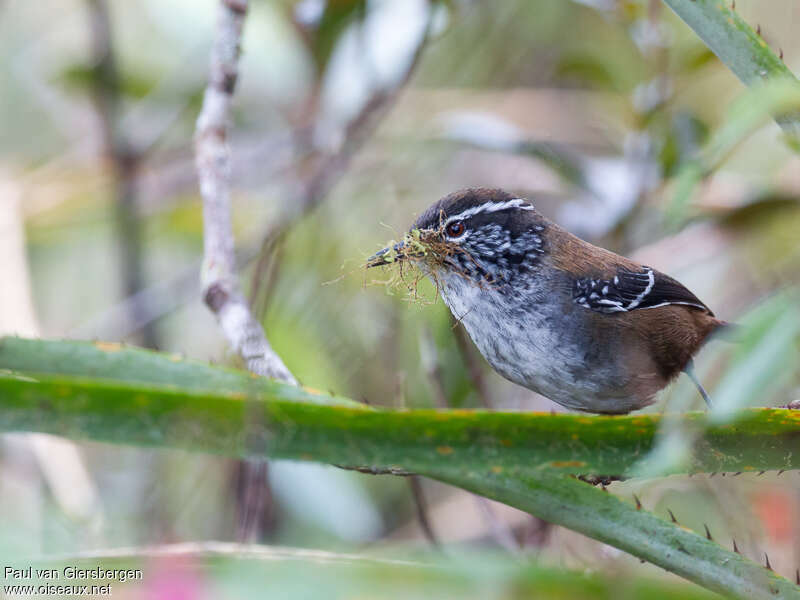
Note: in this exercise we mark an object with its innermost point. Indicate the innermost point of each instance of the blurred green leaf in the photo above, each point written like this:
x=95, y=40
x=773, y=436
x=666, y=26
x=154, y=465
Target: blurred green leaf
x=323, y=35
x=114, y=362
x=766, y=354
x=82, y=78
x=697, y=59
x=682, y=137
x=751, y=110
x=585, y=69
x=234, y=571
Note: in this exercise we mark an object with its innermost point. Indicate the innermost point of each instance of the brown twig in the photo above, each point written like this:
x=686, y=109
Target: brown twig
x=254, y=499
x=125, y=159
x=500, y=532
x=421, y=507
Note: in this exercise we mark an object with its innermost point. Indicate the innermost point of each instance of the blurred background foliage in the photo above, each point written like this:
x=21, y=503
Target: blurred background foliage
x=347, y=125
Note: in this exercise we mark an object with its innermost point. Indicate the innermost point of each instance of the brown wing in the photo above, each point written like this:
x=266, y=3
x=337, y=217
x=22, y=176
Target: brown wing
x=633, y=290
x=674, y=331
x=607, y=283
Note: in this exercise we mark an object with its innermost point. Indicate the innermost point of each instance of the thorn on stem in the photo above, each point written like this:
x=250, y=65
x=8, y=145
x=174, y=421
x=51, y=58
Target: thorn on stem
x=781, y=471
x=735, y=547
x=780, y=53
x=767, y=565
x=760, y=473
x=758, y=30
x=672, y=516
x=733, y=5
x=736, y=474
x=638, y=502
x=708, y=533
x=712, y=474
x=797, y=576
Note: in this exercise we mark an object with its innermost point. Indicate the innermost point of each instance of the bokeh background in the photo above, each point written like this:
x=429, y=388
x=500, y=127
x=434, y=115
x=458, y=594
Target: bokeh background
x=351, y=117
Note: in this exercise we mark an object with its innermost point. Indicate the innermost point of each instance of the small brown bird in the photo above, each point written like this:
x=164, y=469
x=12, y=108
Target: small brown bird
x=587, y=328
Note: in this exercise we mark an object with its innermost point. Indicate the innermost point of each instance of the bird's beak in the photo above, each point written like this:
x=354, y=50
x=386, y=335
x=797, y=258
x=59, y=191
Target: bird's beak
x=388, y=255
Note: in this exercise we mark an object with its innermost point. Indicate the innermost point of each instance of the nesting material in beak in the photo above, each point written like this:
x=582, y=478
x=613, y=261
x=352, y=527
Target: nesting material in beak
x=415, y=244
x=426, y=249
x=425, y=245
x=387, y=256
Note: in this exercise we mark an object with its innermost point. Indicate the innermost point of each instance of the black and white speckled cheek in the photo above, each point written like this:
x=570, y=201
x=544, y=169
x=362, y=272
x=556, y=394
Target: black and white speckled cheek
x=492, y=254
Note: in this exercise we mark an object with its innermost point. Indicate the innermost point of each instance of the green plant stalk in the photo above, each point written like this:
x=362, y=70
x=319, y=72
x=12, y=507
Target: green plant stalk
x=282, y=422
x=520, y=459
x=130, y=395
x=602, y=516
x=736, y=44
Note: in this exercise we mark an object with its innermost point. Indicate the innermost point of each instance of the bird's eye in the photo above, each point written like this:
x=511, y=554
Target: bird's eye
x=455, y=229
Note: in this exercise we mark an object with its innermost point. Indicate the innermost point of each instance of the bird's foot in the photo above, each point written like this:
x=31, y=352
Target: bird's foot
x=602, y=480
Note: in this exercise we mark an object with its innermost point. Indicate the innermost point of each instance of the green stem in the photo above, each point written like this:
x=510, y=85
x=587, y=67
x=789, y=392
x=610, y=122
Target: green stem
x=280, y=421
x=602, y=516
x=738, y=46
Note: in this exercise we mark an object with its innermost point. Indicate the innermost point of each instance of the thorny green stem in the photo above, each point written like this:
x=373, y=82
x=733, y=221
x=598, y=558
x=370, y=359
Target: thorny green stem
x=742, y=50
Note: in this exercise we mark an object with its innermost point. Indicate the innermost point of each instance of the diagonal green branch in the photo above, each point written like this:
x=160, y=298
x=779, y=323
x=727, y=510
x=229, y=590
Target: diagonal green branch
x=738, y=46
x=581, y=507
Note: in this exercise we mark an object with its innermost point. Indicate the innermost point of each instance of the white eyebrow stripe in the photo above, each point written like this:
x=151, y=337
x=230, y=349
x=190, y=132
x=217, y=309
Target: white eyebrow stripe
x=490, y=207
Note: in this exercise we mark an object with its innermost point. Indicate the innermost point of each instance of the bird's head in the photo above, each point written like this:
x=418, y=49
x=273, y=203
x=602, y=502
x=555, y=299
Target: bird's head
x=485, y=235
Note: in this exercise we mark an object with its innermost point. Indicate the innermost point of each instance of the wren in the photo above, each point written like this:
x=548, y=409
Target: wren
x=587, y=328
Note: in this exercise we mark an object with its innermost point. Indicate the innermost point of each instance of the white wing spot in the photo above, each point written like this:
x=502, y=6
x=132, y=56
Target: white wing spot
x=651, y=280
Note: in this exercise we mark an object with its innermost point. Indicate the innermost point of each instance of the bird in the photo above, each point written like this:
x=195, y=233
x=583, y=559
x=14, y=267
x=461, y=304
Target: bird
x=587, y=328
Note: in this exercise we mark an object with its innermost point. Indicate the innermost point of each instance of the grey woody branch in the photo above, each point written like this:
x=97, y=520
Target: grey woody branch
x=220, y=283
